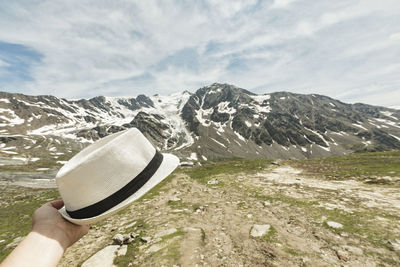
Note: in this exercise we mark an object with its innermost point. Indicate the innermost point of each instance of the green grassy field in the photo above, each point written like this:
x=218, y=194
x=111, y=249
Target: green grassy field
x=358, y=165
x=211, y=169
x=16, y=209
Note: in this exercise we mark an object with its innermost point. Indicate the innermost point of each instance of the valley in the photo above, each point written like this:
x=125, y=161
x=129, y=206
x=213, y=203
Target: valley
x=331, y=211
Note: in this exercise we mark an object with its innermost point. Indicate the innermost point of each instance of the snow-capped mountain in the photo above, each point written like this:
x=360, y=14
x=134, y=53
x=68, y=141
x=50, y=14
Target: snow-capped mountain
x=216, y=121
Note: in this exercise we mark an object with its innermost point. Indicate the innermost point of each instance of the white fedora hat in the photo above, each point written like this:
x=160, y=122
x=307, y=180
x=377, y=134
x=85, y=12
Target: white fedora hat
x=110, y=174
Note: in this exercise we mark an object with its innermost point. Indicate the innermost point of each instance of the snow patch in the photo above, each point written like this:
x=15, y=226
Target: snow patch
x=398, y=138
x=260, y=98
x=221, y=144
x=264, y=109
x=325, y=148
x=193, y=156
x=240, y=136
x=391, y=123
x=319, y=135
x=9, y=152
x=360, y=126
x=389, y=114
x=20, y=158
x=201, y=114
x=223, y=107
x=11, y=118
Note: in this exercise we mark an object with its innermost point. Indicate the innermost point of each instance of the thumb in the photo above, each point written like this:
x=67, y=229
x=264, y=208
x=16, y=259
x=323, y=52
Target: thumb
x=57, y=204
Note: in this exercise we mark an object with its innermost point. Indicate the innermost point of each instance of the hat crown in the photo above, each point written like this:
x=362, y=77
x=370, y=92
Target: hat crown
x=103, y=168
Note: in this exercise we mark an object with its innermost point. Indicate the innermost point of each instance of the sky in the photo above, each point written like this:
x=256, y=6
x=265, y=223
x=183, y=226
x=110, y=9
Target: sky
x=346, y=49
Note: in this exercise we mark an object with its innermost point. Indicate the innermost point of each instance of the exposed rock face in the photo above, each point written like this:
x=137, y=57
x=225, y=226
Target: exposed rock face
x=217, y=121
x=315, y=124
x=151, y=126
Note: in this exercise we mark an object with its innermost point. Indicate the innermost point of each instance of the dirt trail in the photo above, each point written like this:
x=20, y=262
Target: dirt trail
x=214, y=223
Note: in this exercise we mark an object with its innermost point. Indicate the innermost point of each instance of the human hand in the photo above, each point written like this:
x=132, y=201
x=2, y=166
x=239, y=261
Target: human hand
x=48, y=221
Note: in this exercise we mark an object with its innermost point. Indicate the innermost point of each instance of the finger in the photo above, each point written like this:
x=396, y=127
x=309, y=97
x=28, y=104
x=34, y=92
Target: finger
x=57, y=204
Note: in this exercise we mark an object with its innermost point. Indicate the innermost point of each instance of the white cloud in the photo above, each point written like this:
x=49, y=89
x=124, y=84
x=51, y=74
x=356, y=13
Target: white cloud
x=3, y=64
x=282, y=3
x=122, y=47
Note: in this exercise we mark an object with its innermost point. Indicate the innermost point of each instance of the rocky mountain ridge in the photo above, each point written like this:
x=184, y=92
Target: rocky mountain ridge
x=217, y=121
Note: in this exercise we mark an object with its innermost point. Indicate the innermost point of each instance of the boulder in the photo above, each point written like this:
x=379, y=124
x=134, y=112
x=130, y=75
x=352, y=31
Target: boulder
x=118, y=239
x=342, y=255
x=395, y=244
x=213, y=181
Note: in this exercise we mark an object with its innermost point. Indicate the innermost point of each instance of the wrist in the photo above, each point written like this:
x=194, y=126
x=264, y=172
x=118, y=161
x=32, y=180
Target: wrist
x=36, y=249
x=51, y=235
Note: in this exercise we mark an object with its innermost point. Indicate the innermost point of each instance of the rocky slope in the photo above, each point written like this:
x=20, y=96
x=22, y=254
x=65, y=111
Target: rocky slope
x=217, y=121
x=336, y=211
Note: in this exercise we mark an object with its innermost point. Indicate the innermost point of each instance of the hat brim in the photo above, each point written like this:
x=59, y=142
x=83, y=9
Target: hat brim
x=168, y=165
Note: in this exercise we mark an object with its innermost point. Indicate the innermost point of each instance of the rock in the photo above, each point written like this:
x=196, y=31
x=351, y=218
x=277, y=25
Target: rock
x=249, y=216
x=354, y=250
x=154, y=248
x=275, y=163
x=134, y=235
x=174, y=199
x=213, y=181
x=156, y=240
x=259, y=230
x=122, y=250
x=118, y=239
x=103, y=258
x=191, y=229
x=187, y=164
x=130, y=225
x=169, y=231
x=267, y=203
x=342, y=255
x=15, y=242
x=395, y=244
x=177, y=211
x=335, y=225
x=145, y=239
x=128, y=239
x=1, y=241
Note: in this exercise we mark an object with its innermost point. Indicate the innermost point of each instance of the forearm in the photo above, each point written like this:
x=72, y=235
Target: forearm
x=36, y=250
